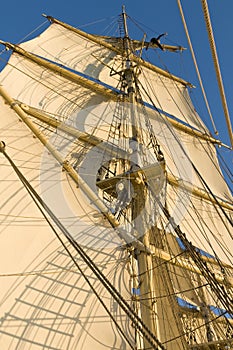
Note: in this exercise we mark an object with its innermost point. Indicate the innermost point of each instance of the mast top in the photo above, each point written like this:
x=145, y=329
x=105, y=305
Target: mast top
x=125, y=22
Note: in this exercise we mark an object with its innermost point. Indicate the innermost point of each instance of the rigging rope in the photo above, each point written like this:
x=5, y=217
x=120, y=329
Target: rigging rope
x=196, y=328
x=211, y=194
x=220, y=291
x=217, y=67
x=32, y=32
x=225, y=167
x=196, y=65
x=210, y=277
x=133, y=316
x=43, y=207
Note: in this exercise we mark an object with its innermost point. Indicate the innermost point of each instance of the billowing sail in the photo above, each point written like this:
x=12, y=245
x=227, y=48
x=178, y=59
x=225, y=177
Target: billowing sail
x=97, y=61
x=115, y=216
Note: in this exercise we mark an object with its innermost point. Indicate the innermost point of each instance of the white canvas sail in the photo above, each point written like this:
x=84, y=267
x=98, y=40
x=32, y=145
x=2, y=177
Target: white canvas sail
x=124, y=189
x=60, y=45
x=38, y=291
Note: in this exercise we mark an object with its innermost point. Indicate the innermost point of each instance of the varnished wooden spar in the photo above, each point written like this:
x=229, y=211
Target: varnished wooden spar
x=95, y=141
x=156, y=270
x=99, y=40
x=179, y=126
x=189, y=265
x=71, y=172
x=144, y=260
x=98, y=88
x=56, y=154
x=73, y=77
x=80, y=135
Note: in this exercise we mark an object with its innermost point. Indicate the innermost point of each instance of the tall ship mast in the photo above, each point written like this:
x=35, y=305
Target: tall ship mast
x=116, y=219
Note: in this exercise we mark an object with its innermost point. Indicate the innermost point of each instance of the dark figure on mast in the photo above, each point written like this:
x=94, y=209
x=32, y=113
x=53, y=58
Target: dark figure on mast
x=156, y=41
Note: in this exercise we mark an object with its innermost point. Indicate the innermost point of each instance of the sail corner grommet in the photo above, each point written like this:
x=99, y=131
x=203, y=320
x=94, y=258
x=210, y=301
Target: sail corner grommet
x=2, y=146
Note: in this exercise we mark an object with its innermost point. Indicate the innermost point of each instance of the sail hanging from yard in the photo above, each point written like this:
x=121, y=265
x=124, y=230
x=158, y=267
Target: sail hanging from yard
x=70, y=129
x=97, y=61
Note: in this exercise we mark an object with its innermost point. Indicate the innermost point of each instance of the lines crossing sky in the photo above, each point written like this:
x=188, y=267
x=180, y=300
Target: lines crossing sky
x=152, y=17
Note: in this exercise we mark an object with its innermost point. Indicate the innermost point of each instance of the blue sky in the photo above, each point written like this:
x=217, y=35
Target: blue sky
x=19, y=18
